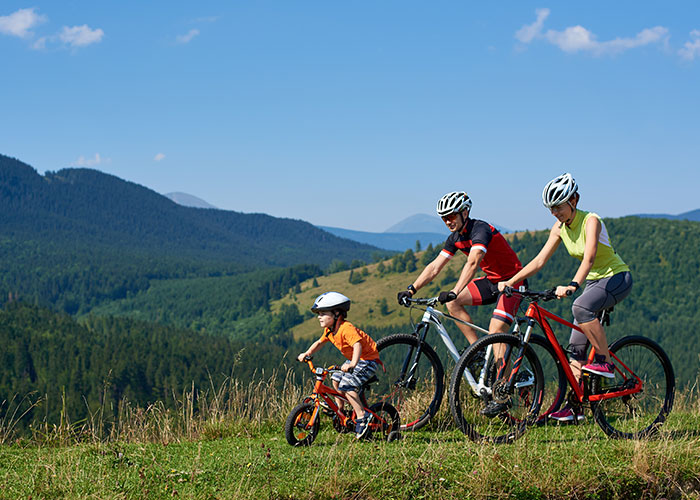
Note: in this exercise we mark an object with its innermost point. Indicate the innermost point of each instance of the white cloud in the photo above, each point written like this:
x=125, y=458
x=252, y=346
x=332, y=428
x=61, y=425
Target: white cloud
x=159, y=157
x=187, y=38
x=80, y=36
x=90, y=162
x=691, y=49
x=528, y=32
x=20, y=23
x=579, y=39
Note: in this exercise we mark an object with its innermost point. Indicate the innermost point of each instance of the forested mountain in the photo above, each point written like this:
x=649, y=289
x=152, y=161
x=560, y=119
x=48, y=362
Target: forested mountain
x=166, y=296
x=149, y=355
x=78, y=237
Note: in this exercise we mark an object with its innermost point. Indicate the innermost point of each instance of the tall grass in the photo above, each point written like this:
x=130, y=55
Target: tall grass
x=234, y=407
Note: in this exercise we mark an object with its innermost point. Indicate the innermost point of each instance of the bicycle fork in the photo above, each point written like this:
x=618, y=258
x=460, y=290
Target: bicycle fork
x=513, y=382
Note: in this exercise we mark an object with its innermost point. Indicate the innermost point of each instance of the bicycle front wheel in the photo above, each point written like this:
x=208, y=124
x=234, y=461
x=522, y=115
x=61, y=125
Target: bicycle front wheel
x=297, y=429
x=482, y=379
x=414, y=379
x=638, y=415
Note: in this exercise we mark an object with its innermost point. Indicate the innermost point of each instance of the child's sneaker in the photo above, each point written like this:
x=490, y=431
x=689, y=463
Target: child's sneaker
x=362, y=426
x=600, y=367
x=567, y=414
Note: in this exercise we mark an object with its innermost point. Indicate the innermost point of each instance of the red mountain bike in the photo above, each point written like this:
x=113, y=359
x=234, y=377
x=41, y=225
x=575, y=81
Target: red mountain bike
x=304, y=421
x=632, y=405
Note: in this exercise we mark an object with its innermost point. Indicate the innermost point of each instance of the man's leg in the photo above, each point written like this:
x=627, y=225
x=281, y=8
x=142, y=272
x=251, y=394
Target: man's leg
x=456, y=309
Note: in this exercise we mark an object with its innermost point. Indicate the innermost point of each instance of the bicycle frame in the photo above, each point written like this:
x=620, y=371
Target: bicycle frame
x=328, y=394
x=536, y=314
x=432, y=316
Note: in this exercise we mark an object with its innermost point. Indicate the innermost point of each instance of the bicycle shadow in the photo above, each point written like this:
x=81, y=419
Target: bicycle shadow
x=673, y=435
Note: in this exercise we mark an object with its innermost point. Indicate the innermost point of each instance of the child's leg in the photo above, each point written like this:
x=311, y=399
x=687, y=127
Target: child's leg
x=351, y=384
x=338, y=401
x=354, y=399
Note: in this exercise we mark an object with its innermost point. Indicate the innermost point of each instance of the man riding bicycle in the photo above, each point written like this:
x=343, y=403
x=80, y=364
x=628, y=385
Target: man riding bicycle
x=486, y=248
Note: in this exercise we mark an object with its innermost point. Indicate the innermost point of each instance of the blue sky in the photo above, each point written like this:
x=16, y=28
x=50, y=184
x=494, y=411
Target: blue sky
x=358, y=114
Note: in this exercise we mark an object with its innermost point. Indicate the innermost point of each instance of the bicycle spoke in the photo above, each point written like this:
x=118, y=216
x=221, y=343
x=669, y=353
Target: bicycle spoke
x=413, y=385
x=495, y=409
x=642, y=413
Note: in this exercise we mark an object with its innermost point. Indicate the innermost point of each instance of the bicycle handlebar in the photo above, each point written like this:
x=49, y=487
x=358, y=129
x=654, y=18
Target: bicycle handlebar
x=544, y=295
x=308, y=361
x=421, y=302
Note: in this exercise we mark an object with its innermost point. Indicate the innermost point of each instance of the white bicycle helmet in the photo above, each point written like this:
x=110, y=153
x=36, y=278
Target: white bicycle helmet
x=453, y=203
x=330, y=301
x=559, y=190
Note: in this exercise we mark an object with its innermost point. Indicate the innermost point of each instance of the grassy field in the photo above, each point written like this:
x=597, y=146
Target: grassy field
x=233, y=446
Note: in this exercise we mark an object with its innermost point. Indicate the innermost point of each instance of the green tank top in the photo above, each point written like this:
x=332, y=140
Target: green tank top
x=607, y=262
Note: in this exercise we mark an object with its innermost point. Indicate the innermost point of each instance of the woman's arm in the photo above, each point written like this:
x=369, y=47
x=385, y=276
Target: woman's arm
x=540, y=259
x=593, y=228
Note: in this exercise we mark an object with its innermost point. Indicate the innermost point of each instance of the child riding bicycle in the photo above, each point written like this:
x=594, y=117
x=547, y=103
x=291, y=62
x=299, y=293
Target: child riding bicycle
x=358, y=347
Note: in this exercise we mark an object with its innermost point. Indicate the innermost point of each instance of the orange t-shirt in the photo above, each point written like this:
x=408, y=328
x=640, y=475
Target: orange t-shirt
x=347, y=336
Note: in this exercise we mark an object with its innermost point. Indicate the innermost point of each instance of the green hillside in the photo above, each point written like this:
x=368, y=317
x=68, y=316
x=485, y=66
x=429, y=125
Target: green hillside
x=77, y=238
x=663, y=256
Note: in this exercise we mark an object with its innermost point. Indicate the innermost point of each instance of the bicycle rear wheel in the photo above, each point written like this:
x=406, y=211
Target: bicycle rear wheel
x=641, y=414
x=520, y=405
x=414, y=379
x=388, y=422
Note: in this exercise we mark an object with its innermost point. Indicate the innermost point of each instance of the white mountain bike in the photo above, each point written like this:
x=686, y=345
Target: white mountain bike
x=415, y=377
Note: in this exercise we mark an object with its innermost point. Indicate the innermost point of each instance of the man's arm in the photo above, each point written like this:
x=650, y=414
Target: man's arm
x=430, y=271
x=469, y=270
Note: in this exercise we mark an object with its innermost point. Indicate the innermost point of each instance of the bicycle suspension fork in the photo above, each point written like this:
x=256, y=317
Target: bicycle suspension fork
x=517, y=361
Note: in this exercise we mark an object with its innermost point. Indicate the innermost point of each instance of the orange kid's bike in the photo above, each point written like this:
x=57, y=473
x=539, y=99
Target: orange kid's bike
x=634, y=404
x=304, y=421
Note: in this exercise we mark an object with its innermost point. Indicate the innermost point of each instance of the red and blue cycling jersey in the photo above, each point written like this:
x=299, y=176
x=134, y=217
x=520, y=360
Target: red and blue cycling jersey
x=499, y=263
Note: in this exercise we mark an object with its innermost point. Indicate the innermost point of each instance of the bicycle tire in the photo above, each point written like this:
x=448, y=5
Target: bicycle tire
x=639, y=415
x=295, y=426
x=523, y=403
x=418, y=399
x=555, y=381
x=391, y=421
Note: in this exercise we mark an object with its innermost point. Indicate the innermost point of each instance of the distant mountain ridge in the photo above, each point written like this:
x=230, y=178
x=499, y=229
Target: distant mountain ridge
x=424, y=228
x=188, y=200
x=419, y=223
x=693, y=215
x=424, y=223
x=398, y=242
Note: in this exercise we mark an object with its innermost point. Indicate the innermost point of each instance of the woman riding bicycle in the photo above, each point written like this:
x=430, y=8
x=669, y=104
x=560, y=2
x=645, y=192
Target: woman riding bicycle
x=608, y=279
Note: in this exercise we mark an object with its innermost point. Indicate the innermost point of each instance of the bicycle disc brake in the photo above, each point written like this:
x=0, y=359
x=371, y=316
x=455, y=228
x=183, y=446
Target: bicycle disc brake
x=500, y=392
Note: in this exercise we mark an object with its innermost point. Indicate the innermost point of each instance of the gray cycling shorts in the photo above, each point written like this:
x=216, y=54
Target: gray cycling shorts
x=362, y=372
x=597, y=296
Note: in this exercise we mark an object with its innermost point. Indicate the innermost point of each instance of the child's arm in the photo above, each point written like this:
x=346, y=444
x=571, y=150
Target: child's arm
x=310, y=351
x=356, y=353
